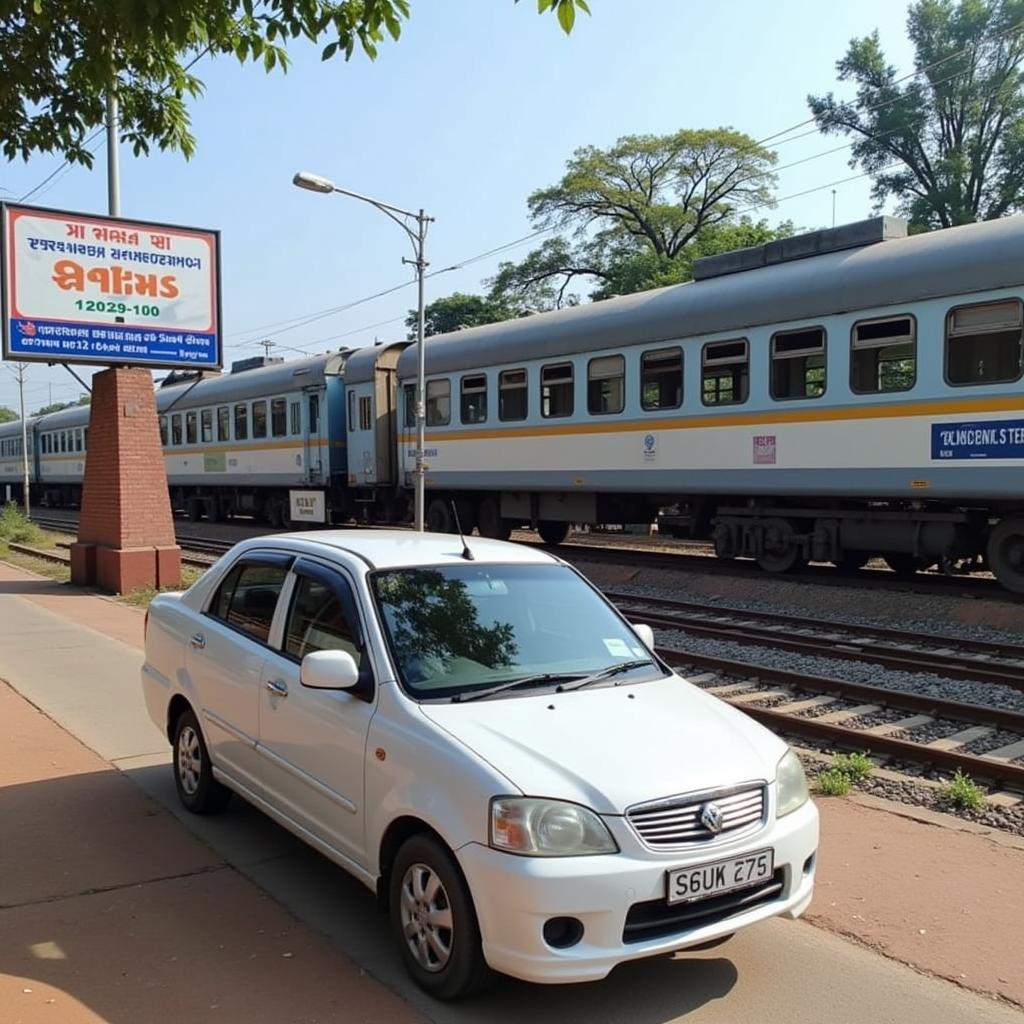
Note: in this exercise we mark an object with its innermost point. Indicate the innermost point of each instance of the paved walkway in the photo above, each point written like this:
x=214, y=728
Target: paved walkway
x=110, y=911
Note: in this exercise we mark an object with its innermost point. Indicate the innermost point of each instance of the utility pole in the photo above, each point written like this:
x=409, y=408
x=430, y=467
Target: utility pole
x=19, y=371
x=267, y=344
x=113, y=164
x=833, y=207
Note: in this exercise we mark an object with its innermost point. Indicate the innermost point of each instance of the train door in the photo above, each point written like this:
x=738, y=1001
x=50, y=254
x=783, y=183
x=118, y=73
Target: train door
x=313, y=448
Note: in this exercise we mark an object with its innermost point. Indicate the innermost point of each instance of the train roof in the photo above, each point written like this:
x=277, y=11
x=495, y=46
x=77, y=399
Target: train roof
x=362, y=362
x=897, y=271
x=259, y=382
x=76, y=416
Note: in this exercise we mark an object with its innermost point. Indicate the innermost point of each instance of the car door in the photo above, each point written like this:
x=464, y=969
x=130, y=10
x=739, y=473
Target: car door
x=313, y=742
x=227, y=650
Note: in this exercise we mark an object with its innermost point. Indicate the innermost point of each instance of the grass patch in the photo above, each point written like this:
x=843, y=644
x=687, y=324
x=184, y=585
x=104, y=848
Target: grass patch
x=832, y=782
x=140, y=598
x=52, y=570
x=15, y=528
x=963, y=793
x=855, y=767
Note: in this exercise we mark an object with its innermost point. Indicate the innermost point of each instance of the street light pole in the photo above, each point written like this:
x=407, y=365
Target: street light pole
x=418, y=237
x=19, y=370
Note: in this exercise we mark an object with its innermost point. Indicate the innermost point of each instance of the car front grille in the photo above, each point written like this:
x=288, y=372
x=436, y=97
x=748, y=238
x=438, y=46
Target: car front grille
x=656, y=919
x=676, y=822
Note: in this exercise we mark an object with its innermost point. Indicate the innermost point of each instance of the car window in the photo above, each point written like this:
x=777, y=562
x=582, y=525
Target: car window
x=247, y=598
x=317, y=621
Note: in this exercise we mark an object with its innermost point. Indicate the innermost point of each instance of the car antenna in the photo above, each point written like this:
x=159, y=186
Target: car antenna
x=466, y=553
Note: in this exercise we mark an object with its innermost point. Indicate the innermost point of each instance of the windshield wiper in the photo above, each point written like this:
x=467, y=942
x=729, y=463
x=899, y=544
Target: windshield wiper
x=511, y=684
x=607, y=673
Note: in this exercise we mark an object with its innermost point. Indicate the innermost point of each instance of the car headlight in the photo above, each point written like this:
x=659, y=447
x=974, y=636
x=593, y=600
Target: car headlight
x=547, y=828
x=790, y=785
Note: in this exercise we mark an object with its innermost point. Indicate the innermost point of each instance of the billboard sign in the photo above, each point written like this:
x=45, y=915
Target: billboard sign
x=79, y=288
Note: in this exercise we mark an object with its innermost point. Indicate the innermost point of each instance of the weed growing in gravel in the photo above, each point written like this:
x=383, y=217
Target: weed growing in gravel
x=832, y=782
x=963, y=793
x=855, y=767
x=14, y=527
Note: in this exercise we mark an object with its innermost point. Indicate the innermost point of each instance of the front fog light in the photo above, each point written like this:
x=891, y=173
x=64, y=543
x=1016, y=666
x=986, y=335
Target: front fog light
x=790, y=785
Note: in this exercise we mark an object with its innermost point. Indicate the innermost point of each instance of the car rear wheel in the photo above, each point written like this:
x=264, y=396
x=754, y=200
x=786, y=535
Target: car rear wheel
x=434, y=922
x=197, y=789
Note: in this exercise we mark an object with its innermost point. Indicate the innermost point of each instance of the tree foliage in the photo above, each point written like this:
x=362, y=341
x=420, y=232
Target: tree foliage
x=946, y=143
x=59, y=60
x=7, y=415
x=60, y=406
x=459, y=310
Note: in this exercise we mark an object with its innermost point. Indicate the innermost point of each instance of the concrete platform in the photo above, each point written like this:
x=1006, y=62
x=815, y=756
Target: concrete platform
x=112, y=909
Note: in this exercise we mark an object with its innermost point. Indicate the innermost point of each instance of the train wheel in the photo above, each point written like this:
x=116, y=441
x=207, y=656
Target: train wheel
x=552, y=532
x=490, y=523
x=194, y=509
x=439, y=517
x=1006, y=554
x=779, y=549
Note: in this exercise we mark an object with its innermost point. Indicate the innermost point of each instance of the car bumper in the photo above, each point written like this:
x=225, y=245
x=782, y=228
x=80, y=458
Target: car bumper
x=515, y=896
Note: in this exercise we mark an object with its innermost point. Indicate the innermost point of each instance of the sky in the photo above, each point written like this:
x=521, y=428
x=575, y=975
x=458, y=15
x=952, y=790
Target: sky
x=478, y=104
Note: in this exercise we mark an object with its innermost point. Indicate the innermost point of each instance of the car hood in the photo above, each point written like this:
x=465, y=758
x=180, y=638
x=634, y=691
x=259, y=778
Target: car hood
x=611, y=747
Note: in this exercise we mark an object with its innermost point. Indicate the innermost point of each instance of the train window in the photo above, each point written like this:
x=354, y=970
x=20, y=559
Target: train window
x=556, y=390
x=983, y=343
x=474, y=399
x=661, y=379
x=365, y=413
x=314, y=414
x=409, y=391
x=883, y=355
x=351, y=411
x=206, y=425
x=63, y=441
x=78, y=439
x=606, y=385
x=163, y=431
x=278, y=417
x=259, y=418
x=85, y=438
x=512, y=395
x=725, y=372
x=798, y=364
x=241, y=422
x=191, y=428
x=439, y=403
x=296, y=417
x=223, y=423
x=176, y=428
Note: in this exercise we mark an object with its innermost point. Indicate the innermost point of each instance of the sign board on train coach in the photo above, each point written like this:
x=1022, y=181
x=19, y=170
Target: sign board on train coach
x=79, y=288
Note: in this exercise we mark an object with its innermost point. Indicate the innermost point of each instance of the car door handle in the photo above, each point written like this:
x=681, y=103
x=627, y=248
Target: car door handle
x=278, y=689
x=198, y=641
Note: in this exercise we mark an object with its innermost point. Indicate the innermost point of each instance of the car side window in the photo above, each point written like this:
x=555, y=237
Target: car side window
x=247, y=598
x=317, y=620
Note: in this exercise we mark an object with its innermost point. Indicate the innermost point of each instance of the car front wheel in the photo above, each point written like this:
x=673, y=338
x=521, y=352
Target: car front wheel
x=197, y=789
x=434, y=921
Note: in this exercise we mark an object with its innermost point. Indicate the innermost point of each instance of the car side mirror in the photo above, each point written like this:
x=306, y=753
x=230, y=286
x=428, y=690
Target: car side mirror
x=329, y=670
x=645, y=633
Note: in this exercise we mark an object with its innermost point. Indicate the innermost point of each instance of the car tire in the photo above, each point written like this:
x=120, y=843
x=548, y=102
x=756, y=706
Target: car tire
x=434, y=921
x=198, y=791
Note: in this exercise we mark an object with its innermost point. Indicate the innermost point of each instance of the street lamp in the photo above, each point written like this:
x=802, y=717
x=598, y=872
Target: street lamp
x=317, y=183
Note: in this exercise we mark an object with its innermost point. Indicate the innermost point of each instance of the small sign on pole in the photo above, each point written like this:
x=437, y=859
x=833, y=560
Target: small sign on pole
x=80, y=288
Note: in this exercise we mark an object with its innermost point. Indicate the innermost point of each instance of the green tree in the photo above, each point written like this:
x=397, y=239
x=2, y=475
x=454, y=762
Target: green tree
x=631, y=214
x=456, y=311
x=947, y=143
x=60, y=59
x=7, y=415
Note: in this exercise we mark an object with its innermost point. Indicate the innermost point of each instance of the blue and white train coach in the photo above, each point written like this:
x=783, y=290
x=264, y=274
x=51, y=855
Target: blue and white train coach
x=847, y=393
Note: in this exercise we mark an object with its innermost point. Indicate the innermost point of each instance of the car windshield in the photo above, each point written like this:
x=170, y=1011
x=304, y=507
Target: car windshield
x=456, y=629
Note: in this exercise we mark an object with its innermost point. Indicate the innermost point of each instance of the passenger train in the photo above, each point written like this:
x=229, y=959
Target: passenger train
x=838, y=395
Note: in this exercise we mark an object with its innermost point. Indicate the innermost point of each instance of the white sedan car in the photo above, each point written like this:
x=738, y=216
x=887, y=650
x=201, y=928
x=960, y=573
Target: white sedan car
x=484, y=741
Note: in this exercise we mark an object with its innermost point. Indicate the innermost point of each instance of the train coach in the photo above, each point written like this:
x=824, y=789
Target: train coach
x=839, y=395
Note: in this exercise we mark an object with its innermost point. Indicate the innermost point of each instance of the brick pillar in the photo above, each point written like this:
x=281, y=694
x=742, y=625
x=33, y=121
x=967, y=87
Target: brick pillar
x=125, y=531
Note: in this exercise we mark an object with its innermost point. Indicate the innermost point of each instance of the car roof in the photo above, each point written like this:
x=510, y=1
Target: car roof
x=392, y=549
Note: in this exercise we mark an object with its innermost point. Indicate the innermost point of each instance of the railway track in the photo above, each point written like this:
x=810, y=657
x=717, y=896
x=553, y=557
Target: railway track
x=951, y=657
x=780, y=699
x=826, y=710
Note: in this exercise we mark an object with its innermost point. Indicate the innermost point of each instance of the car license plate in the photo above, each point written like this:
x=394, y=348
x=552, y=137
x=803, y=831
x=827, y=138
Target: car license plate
x=694, y=883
